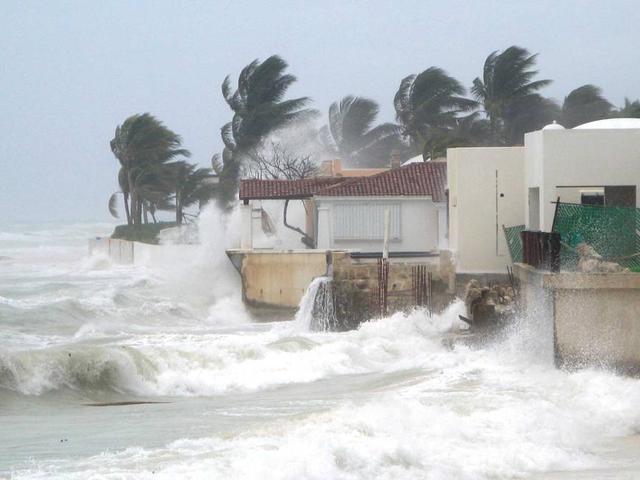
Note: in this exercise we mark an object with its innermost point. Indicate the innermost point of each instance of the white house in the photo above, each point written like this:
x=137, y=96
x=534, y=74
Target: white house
x=601, y=156
x=598, y=162
x=348, y=213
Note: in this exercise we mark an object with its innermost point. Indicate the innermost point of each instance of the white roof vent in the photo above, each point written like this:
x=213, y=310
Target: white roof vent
x=611, y=123
x=553, y=126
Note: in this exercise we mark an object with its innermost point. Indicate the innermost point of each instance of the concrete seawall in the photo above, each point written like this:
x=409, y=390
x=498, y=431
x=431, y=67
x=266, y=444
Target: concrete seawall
x=118, y=251
x=126, y=252
x=277, y=279
x=596, y=316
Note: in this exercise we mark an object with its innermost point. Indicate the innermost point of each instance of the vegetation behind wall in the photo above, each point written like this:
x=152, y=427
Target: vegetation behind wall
x=141, y=233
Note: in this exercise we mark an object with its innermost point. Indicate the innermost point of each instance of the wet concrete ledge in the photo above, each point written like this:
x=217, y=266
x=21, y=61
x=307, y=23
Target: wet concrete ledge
x=595, y=316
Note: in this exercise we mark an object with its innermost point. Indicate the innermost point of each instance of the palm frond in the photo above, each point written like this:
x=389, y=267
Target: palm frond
x=113, y=205
x=584, y=104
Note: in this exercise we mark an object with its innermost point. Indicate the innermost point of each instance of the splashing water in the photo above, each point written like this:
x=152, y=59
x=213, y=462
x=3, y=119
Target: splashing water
x=316, y=311
x=254, y=400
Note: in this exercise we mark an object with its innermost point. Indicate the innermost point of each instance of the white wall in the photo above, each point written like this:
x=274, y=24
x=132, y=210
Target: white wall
x=533, y=154
x=419, y=225
x=284, y=238
x=129, y=253
x=589, y=157
x=477, y=178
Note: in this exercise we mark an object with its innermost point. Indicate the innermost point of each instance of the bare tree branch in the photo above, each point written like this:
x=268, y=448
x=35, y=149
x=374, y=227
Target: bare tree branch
x=276, y=162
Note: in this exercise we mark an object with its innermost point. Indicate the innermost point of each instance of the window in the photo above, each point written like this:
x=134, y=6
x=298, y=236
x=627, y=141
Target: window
x=365, y=220
x=591, y=197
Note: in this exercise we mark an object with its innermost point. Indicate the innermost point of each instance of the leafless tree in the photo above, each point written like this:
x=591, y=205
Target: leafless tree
x=277, y=162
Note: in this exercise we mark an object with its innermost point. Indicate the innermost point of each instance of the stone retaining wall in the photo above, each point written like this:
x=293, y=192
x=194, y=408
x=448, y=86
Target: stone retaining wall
x=356, y=285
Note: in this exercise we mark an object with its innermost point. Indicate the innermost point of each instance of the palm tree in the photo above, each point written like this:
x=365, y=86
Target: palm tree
x=145, y=147
x=527, y=114
x=352, y=136
x=630, y=109
x=191, y=186
x=507, y=82
x=428, y=106
x=584, y=104
x=258, y=108
x=468, y=130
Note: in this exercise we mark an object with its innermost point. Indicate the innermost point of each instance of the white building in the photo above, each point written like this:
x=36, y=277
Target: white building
x=485, y=192
x=598, y=162
x=348, y=213
x=601, y=156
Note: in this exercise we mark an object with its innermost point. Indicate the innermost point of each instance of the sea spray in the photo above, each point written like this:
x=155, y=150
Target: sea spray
x=384, y=401
x=187, y=362
x=316, y=311
x=202, y=273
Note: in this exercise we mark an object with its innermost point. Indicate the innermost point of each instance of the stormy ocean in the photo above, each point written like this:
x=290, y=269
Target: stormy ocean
x=136, y=372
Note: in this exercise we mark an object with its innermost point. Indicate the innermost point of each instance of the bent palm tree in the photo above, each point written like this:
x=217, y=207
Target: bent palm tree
x=352, y=136
x=507, y=79
x=584, y=104
x=144, y=147
x=258, y=108
x=428, y=106
x=527, y=114
x=191, y=186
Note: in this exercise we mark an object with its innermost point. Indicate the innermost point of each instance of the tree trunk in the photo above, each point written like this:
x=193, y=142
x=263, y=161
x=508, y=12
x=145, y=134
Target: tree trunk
x=139, y=202
x=145, y=210
x=178, y=207
x=134, y=199
x=126, y=207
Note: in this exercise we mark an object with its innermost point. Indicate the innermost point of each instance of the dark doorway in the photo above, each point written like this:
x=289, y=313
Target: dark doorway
x=592, y=198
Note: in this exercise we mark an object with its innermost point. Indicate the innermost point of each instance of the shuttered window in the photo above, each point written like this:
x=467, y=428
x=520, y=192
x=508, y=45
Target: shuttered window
x=365, y=220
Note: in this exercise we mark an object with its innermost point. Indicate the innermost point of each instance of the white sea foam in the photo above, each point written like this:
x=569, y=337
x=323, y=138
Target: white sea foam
x=464, y=413
x=385, y=401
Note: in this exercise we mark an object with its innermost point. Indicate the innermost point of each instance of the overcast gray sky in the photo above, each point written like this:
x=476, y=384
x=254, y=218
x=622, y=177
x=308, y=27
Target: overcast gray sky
x=70, y=71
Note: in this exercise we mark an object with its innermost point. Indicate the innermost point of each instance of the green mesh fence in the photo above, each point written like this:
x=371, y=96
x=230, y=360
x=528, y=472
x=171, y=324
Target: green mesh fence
x=514, y=242
x=612, y=231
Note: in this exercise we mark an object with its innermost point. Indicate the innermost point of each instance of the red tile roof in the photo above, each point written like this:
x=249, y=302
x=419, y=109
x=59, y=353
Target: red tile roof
x=251, y=189
x=415, y=179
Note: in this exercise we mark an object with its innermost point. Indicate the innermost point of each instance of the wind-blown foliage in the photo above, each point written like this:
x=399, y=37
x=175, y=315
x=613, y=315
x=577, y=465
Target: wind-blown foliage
x=145, y=149
x=258, y=108
x=429, y=108
x=506, y=88
x=629, y=110
x=352, y=135
x=191, y=187
x=527, y=114
x=584, y=104
x=468, y=130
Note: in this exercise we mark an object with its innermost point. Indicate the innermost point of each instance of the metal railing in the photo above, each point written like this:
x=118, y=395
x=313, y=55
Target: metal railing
x=541, y=250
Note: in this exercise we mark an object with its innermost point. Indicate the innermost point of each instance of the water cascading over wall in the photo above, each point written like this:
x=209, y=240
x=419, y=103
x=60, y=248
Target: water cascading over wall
x=317, y=307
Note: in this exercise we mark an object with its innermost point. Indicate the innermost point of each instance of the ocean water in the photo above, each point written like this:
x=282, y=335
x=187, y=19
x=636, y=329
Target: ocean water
x=229, y=397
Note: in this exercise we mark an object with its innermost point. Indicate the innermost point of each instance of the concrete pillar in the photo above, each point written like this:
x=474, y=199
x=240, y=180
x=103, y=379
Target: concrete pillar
x=246, y=231
x=443, y=227
x=256, y=227
x=324, y=228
